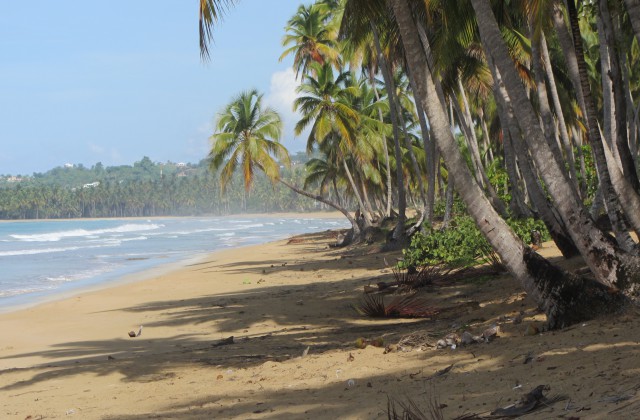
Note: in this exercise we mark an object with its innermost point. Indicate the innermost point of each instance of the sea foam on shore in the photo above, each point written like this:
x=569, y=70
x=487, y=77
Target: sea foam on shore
x=39, y=258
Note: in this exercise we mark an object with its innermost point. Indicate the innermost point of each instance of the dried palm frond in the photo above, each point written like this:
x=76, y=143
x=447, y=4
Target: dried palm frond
x=411, y=411
x=426, y=275
x=410, y=306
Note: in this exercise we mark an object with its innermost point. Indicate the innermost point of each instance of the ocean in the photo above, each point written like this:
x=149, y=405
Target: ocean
x=41, y=258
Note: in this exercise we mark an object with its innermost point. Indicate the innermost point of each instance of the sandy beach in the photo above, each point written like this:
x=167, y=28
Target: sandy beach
x=288, y=307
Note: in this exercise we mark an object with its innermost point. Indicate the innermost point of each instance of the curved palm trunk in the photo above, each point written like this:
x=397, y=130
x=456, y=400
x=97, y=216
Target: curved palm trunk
x=543, y=100
x=356, y=232
x=611, y=266
x=356, y=192
x=429, y=150
x=485, y=135
x=566, y=299
x=387, y=165
x=412, y=156
x=517, y=205
x=554, y=224
x=562, y=126
x=398, y=232
x=470, y=134
x=611, y=202
x=608, y=107
x=569, y=52
x=619, y=136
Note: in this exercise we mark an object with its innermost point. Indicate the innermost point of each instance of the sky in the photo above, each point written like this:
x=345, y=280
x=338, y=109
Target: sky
x=112, y=82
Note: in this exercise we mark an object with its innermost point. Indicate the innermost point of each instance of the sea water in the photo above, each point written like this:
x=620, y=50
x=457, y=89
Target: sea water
x=41, y=258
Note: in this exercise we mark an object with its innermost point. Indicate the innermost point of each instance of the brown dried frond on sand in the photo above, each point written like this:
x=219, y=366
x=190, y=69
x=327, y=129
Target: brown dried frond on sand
x=409, y=410
x=426, y=275
x=410, y=306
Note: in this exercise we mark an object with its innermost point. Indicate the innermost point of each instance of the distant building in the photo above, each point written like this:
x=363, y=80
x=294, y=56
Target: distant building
x=68, y=165
x=14, y=179
x=181, y=164
x=92, y=185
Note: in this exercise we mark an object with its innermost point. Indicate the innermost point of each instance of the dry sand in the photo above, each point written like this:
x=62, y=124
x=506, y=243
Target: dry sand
x=73, y=357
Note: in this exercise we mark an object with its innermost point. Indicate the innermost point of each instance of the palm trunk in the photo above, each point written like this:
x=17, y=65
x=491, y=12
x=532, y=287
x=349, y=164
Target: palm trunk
x=398, y=233
x=356, y=233
x=466, y=123
x=556, y=228
x=611, y=266
x=486, y=141
x=577, y=139
x=385, y=149
x=619, y=136
x=356, y=192
x=565, y=298
x=543, y=100
x=448, y=201
x=517, y=205
x=412, y=157
x=611, y=202
x=633, y=8
x=562, y=126
x=569, y=51
x=429, y=150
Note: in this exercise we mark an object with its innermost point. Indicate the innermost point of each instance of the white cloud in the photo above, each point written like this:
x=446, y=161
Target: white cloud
x=282, y=93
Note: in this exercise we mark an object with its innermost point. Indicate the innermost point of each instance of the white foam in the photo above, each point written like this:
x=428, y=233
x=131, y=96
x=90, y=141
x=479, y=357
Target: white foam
x=75, y=233
x=49, y=250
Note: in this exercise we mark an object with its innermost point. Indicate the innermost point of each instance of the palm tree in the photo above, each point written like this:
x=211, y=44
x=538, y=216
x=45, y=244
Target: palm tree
x=541, y=280
x=310, y=39
x=592, y=243
x=247, y=136
x=326, y=105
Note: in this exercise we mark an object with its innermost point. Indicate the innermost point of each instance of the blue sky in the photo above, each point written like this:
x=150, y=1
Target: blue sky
x=111, y=82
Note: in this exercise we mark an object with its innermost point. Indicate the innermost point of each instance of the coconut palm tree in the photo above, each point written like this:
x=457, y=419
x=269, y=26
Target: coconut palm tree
x=591, y=241
x=549, y=289
x=247, y=138
x=309, y=39
x=326, y=105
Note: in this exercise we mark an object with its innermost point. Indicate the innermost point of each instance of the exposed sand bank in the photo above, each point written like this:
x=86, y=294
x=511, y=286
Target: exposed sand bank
x=73, y=357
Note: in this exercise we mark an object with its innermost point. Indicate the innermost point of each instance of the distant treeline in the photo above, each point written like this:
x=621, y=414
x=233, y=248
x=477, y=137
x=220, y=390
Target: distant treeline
x=145, y=189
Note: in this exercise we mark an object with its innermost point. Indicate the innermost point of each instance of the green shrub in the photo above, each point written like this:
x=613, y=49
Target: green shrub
x=462, y=244
x=523, y=228
x=459, y=245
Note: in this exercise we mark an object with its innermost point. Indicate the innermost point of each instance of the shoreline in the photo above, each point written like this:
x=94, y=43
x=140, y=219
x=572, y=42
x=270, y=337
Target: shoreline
x=69, y=290
x=44, y=297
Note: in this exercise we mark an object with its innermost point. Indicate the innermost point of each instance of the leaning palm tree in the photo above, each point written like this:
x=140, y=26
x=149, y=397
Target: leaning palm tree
x=547, y=284
x=247, y=138
x=325, y=104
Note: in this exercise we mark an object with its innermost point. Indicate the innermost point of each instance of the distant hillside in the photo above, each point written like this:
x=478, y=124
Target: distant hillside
x=146, y=188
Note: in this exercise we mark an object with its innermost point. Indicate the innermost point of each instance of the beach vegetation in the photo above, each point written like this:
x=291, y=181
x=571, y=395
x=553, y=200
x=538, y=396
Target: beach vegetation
x=508, y=95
